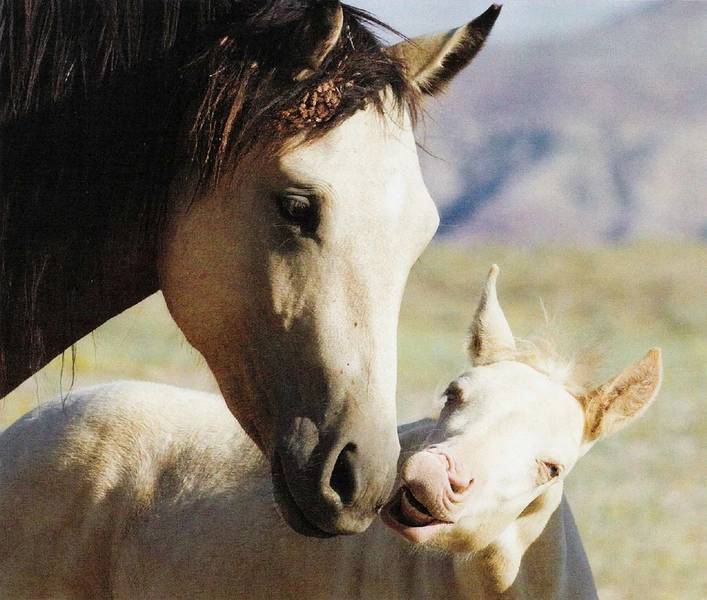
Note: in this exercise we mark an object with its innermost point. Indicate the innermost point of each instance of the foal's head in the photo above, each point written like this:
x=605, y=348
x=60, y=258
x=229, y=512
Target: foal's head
x=512, y=428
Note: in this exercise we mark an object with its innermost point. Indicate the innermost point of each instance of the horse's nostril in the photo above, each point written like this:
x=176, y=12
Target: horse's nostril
x=344, y=477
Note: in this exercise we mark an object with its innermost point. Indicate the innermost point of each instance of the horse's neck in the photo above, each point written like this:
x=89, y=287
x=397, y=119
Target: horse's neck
x=540, y=556
x=82, y=191
x=58, y=297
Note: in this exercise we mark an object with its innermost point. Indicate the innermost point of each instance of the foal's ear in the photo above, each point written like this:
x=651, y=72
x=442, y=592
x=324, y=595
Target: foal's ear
x=316, y=36
x=613, y=405
x=490, y=338
x=432, y=61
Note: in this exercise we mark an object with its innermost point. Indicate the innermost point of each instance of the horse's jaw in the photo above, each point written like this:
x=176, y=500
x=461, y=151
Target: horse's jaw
x=287, y=506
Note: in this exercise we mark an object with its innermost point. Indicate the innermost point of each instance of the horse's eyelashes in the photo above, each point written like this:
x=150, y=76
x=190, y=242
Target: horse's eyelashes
x=299, y=211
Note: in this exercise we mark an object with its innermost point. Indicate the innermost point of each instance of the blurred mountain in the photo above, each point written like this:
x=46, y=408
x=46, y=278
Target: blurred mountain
x=599, y=137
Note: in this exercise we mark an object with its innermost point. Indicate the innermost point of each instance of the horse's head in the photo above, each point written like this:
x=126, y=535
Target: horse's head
x=507, y=436
x=287, y=275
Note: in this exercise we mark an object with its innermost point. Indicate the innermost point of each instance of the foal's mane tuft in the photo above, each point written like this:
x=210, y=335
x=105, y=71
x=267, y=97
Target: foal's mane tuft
x=575, y=371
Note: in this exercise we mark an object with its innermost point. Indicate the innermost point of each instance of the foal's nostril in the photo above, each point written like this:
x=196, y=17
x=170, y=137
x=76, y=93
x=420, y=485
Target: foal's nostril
x=460, y=488
x=344, y=477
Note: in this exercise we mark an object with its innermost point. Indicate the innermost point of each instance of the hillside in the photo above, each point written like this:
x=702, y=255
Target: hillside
x=600, y=137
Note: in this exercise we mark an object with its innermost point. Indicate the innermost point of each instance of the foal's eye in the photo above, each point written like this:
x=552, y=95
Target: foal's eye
x=454, y=394
x=551, y=470
x=299, y=211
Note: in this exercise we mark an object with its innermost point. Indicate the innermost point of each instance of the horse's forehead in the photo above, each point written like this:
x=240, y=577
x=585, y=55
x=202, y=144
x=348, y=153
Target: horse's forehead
x=512, y=412
x=370, y=161
x=513, y=382
x=368, y=145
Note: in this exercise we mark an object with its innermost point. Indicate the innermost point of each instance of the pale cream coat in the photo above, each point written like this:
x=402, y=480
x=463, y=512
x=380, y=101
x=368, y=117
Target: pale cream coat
x=138, y=490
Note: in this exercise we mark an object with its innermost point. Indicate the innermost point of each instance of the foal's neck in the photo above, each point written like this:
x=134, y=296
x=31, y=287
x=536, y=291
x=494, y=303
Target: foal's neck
x=539, y=556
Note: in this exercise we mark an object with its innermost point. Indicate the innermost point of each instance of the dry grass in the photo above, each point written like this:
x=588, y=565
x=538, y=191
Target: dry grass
x=640, y=498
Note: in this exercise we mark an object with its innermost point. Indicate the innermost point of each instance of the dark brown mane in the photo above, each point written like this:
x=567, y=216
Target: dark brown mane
x=104, y=102
x=53, y=49
x=247, y=101
x=229, y=57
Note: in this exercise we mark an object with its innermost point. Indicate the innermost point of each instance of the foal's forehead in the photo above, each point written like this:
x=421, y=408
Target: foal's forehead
x=520, y=399
x=514, y=385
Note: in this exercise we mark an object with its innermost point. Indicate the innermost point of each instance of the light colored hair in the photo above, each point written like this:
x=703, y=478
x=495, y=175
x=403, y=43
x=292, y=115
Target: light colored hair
x=575, y=371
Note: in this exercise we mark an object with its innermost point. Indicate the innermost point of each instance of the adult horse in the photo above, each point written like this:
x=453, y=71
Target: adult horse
x=255, y=161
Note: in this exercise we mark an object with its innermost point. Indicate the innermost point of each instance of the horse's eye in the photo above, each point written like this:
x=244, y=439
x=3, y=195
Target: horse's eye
x=299, y=211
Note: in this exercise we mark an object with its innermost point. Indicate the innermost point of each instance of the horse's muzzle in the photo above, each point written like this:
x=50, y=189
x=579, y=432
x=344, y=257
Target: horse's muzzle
x=336, y=493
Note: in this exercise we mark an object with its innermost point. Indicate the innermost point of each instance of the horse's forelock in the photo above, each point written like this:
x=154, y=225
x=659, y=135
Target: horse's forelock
x=575, y=371
x=53, y=51
x=250, y=97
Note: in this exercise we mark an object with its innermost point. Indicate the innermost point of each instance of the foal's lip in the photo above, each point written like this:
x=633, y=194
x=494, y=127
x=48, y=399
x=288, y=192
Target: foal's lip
x=412, y=511
x=394, y=517
x=287, y=506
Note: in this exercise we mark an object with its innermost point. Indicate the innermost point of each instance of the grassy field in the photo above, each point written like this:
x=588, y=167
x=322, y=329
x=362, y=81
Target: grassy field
x=640, y=499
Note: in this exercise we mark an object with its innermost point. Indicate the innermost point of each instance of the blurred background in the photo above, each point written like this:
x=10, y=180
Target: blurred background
x=573, y=153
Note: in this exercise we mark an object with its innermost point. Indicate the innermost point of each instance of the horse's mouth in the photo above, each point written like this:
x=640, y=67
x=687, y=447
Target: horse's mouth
x=408, y=516
x=287, y=506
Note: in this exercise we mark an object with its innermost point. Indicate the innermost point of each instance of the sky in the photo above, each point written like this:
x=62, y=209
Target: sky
x=520, y=20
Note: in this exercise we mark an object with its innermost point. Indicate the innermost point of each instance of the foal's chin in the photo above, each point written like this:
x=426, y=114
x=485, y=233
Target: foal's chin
x=432, y=534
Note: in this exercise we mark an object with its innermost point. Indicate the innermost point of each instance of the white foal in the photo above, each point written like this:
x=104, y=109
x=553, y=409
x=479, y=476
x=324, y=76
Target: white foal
x=136, y=490
x=487, y=485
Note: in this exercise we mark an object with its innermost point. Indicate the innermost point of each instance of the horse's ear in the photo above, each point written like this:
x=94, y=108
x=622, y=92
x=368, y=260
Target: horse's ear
x=316, y=36
x=613, y=405
x=490, y=338
x=432, y=61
